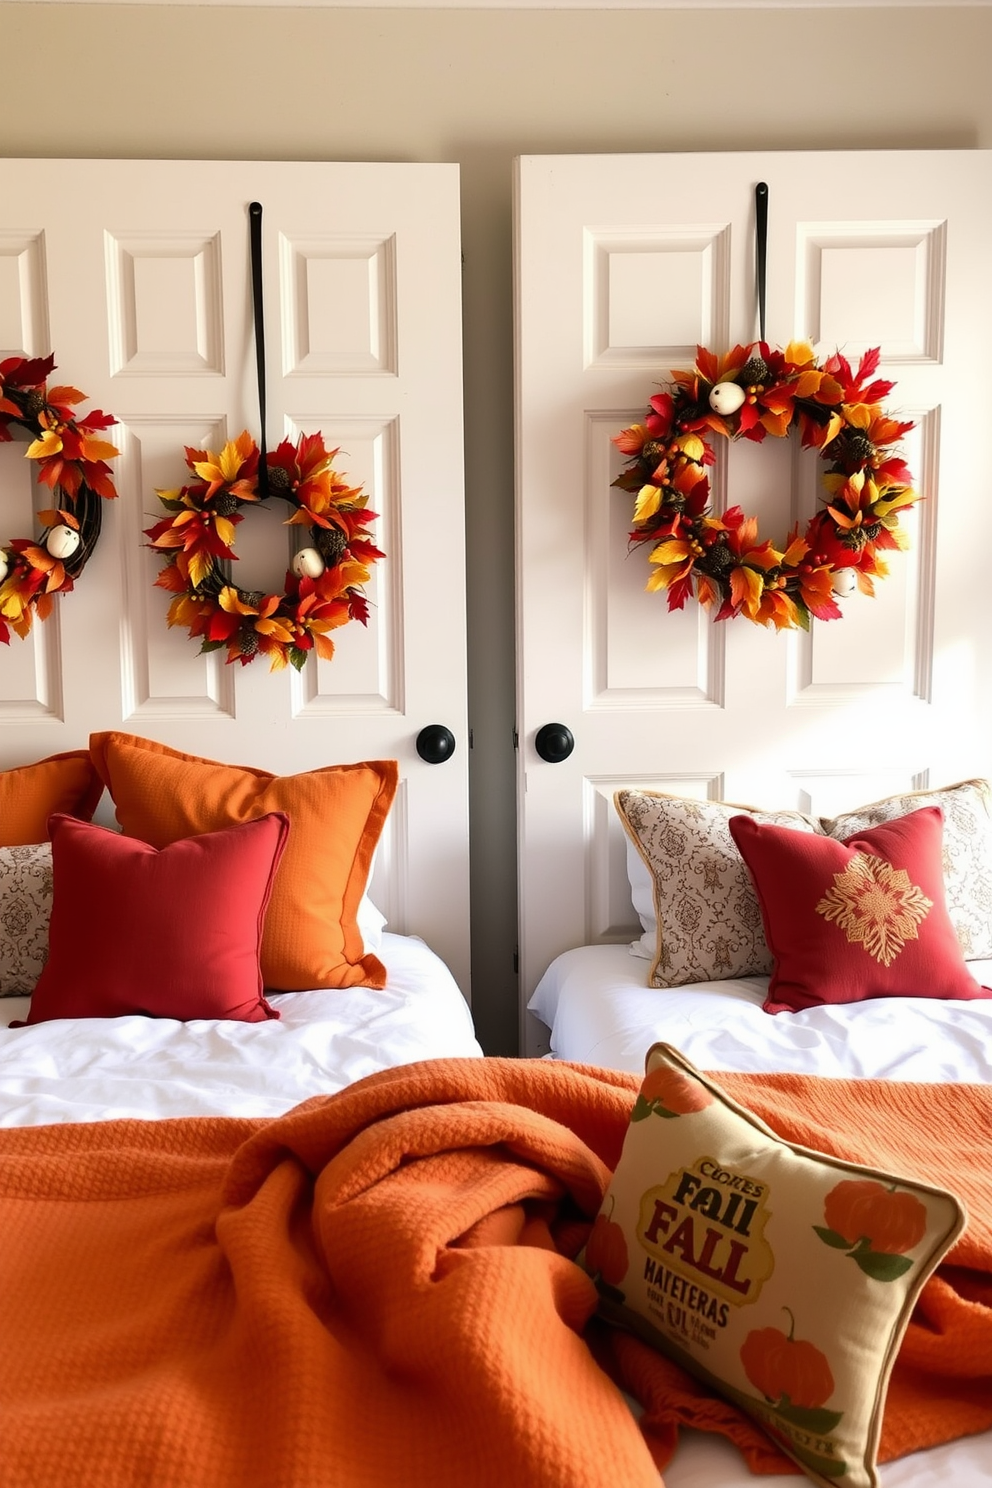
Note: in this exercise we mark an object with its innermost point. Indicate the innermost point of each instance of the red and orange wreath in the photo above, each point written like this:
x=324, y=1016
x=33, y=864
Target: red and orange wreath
x=750, y=393
x=324, y=585
x=72, y=460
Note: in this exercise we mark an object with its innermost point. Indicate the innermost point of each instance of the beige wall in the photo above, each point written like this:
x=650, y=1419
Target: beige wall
x=480, y=87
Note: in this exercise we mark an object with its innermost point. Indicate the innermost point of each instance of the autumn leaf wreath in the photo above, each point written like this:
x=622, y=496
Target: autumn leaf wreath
x=72, y=460
x=324, y=585
x=750, y=393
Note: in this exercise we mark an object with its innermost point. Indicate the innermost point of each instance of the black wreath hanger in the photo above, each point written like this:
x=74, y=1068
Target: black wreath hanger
x=324, y=587
x=750, y=393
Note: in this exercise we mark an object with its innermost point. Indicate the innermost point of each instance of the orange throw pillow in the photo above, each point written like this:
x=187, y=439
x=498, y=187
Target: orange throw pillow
x=30, y=794
x=311, y=936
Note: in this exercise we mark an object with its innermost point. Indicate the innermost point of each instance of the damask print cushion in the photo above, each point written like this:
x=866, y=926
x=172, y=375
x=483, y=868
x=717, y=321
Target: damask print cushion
x=25, y=910
x=967, y=852
x=782, y=1277
x=858, y=919
x=707, y=924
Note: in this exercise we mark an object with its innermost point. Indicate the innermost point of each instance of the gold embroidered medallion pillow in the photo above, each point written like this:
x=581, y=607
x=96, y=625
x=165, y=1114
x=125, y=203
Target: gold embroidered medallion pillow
x=25, y=911
x=782, y=1277
x=707, y=924
x=848, y=921
x=967, y=852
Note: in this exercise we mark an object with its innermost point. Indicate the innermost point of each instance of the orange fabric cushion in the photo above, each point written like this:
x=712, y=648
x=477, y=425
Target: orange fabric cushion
x=116, y=943
x=311, y=937
x=29, y=794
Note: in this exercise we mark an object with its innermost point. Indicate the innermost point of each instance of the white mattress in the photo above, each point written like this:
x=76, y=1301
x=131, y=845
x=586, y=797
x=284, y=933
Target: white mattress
x=599, y=1011
x=99, y=1068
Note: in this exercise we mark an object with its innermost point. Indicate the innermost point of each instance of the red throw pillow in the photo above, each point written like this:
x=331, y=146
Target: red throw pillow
x=170, y=933
x=312, y=937
x=847, y=921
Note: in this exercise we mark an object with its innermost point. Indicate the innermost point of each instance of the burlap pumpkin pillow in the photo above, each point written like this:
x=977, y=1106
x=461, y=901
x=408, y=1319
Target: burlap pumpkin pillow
x=782, y=1277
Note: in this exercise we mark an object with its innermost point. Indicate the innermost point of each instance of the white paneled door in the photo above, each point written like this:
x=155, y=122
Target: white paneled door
x=623, y=265
x=136, y=275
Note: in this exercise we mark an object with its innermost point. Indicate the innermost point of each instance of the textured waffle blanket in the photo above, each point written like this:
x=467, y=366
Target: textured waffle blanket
x=378, y=1287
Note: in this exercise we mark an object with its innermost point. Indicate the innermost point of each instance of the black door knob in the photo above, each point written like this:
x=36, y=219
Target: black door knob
x=554, y=743
x=435, y=744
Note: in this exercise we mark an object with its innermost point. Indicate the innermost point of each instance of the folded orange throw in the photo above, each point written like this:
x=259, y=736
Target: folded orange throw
x=377, y=1288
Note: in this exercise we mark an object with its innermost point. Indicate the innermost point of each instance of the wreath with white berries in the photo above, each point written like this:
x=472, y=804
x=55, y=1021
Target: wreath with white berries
x=324, y=586
x=750, y=393
x=72, y=461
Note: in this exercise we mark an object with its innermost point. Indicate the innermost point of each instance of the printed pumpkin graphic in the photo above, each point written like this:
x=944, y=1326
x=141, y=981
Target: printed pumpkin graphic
x=795, y=1381
x=874, y=1224
x=606, y=1258
x=668, y=1092
x=786, y=1368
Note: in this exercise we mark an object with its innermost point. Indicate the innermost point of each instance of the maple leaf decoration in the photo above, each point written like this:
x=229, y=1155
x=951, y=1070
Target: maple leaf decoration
x=755, y=392
x=71, y=458
x=198, y=534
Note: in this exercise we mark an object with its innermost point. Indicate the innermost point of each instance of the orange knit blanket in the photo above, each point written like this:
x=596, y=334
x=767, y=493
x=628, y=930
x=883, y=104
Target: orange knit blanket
x=377, y=1288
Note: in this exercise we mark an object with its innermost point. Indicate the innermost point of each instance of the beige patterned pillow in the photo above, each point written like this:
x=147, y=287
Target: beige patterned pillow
x=967, y=852
x=783, y=1277
x=708, y=917
x=25, y=909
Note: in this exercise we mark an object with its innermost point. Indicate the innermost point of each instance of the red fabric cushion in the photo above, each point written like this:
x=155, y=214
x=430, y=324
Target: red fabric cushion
x=312, y=937
x=846, y=921
x=171, y=933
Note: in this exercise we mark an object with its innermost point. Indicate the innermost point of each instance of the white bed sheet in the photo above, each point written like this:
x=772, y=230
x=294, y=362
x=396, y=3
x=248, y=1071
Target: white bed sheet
x=595, y=1002
x=599, y=1011
x=100, y=1068
x=705, y=1461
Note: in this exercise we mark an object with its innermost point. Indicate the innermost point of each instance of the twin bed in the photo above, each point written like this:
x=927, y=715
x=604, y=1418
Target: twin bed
x=101, y=1069
x=118, y=915
x=607, y=1004
x=600, y=1012
x=433, y=1110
